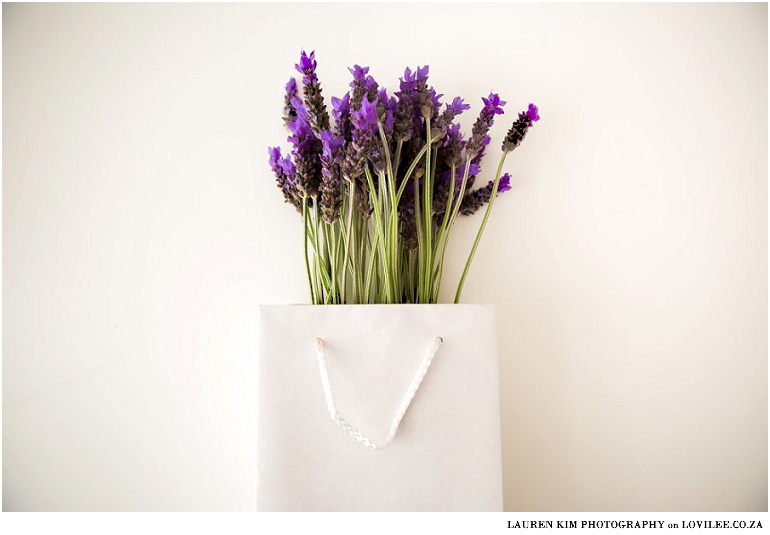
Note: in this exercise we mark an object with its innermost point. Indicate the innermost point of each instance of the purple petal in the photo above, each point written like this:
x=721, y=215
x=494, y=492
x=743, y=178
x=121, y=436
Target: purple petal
x=275, y=156
x=422, y=74
x=365, y=116
x=331, y=144
x=505, y=183
x=458, y=106
x=307, y=65
x=532, y=113
x=287, y=166
x=340, y=106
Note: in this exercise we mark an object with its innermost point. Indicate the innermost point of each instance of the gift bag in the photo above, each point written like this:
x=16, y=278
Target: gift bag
x=378, y=408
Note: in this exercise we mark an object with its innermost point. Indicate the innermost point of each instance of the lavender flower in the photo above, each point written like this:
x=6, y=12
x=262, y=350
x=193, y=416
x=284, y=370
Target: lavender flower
x=449, y=157
x=386, y=110
x=364, y=122
x=492, y=106
x=451, y=150
x=408, y=116
x=476, y=162
x=331, y=194
x=318, y=117
x=289, y=112
x=455, y=108
x=363, y=85
x=306, y=152
x=404, y=118
x=285, y=175
x=519, y=128
x=476, y=199
x=338, y=159
x=360, y=149
x=307, y=65
x=452, y=110
x=341, y=112
x=427, y=100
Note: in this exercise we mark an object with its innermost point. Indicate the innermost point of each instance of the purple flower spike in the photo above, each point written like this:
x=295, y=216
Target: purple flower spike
x=479, y=139
x=532, y=113
x=457, y=106
x=421, y=76
x=453, y=144
x=331, y=193
x=360, y=149
x=408, y=82
x=341, y=113
x=474, y=200
x=505, y=183
x=340, y=106
x=285, y=175
x=427, y=100
x=389, y=122
x=318, y=117
x=287, y=166
x=299, y=125
x=493, y=105
x=331, y=144
x=358, y=72
x=519, y=128
x=452, y=110
x=363, y=85
x=408, y=117
x=289, y=111
x=275, y=157
x=306, y=151
x=453, y=132
x=366, y=116
x=435, y=99
x=306, y=66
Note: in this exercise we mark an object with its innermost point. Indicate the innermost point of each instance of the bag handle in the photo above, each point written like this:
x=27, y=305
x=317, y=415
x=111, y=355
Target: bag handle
x=355, y=433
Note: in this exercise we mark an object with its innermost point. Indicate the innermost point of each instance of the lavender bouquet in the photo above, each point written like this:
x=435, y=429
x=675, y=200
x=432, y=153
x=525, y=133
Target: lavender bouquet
x=381, y=185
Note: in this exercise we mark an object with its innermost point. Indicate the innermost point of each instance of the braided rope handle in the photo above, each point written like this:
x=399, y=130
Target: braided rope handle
x=402, y=408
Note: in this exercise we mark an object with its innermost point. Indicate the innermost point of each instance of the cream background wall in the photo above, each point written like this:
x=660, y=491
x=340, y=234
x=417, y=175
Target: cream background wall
x=142, y=228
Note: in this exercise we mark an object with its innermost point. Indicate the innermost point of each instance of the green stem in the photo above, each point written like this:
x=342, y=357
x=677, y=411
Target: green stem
x=370, y=270
x=420, y=246
x=441, y=235
x=428, y=209
x=397, y=159
x=349, y=255
x=390, y=245
x=320, y=258
x=321, y=247
x=481, y=229
x=379, y=232
x=332, y=249
x=386, y=148
x=452, y=218
x=339, y=237
x=410, y=170
x=328, y=269
x=410, y=275
x=362, y=237
x=307, y=261
x=343, y=253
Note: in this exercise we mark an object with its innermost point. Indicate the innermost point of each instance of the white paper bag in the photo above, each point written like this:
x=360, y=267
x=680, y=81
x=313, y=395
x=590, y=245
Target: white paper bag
x=333, y=381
